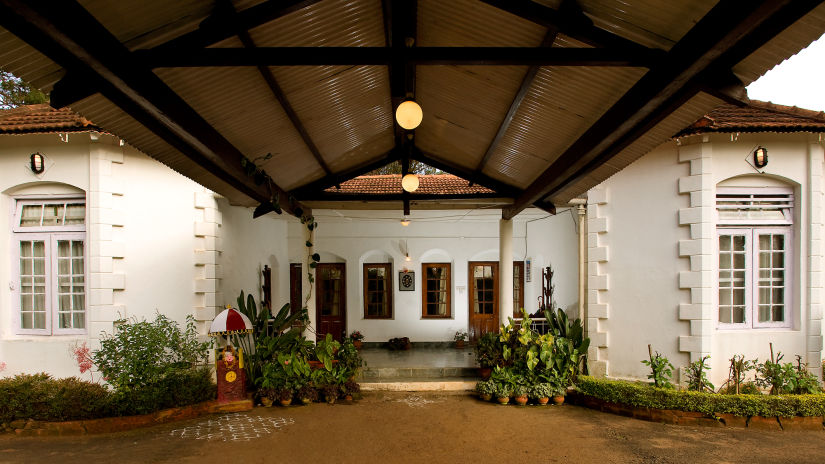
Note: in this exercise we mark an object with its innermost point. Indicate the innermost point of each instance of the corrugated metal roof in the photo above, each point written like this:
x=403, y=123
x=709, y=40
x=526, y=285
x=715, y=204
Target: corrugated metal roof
x=346, y=110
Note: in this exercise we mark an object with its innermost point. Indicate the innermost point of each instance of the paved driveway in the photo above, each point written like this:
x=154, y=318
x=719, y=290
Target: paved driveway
x=431, y=428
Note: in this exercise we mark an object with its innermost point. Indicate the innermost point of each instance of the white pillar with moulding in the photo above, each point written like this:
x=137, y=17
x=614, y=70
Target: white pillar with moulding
x=505, y=269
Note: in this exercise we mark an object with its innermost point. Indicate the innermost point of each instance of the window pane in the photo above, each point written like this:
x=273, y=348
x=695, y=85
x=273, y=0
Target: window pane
x=739, y=242
x=725, y=315
x=75, y=213
x=724, y=242
x=52, y=215
x=739, y=314
x=778, y=313
x=764, y=313
x=30, y=215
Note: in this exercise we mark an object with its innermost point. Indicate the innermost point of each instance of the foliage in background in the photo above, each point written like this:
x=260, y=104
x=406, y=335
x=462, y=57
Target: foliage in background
x=661, y=370
x=643, y=395
x=416, y=167
x=786, y=378
x=14, y=92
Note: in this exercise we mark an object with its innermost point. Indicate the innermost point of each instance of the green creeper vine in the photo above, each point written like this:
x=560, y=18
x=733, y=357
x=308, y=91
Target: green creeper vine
x=312, y=258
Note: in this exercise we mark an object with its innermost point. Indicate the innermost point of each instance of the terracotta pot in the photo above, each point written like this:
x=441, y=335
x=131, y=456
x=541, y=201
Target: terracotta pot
x=407, y=346
x=459, y=343
x=330, y=399
x=306, y=400
x=503, y=399
x=521, y=400
x=285, y=402
x=358, y=344
x=543, y=400
x=486, y=397
x=558, y=399
x=484, y=372
x=267, y=402
x=348, y=398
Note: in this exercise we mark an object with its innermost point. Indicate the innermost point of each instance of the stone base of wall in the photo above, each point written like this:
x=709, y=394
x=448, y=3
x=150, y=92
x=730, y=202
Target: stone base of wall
x=670, y=416
x=32, y=428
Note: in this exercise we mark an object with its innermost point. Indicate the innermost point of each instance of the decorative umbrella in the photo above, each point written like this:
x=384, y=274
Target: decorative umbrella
x=230, y=321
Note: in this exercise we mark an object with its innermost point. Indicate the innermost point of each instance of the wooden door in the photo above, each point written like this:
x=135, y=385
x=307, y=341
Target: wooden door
x=330, y=300
x=483, y=285
x=296, y=292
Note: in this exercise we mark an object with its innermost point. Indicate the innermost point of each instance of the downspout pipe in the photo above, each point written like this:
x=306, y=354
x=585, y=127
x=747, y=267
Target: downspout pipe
x=581, y=210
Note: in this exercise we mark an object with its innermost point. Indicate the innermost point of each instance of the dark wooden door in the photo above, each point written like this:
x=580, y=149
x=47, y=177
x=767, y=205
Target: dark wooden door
x=330, y=300
x=296, y=279
x=483, y=276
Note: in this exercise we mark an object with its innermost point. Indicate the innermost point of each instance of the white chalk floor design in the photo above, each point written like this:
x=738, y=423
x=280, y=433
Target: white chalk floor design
x=414, y=401
x=233, y=427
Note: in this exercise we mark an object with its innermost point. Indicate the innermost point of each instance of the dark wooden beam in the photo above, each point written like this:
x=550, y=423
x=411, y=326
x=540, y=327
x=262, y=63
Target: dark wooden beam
x=343, y=176
x=726, y=35
x=69, y=35
x=353, y=56
x=570, y=21
x=73, y=87
x=215, y=28
x=337, y=196
x=226, y=10
x=471, y=176
x=727, y=87
x=526, y=83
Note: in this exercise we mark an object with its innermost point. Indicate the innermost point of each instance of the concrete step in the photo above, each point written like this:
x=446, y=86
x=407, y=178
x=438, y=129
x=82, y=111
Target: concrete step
x=376, y=374
x=456, y=384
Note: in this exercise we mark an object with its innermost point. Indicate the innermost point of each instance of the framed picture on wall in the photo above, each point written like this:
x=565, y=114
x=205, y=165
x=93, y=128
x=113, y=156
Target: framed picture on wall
x=406, y=281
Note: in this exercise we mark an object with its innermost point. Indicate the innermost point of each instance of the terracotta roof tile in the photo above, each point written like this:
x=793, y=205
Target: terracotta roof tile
x=757, y=117
x=429, y=184
x=42, y=118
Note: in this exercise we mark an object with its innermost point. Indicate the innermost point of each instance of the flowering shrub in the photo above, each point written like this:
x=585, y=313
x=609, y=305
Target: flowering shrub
x=83, y=355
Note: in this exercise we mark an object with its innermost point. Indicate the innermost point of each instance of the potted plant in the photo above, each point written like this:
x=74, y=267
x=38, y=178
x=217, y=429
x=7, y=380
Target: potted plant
x=520, y=394
x=560, y=390
x=489, y=354
x=400, y=343
x=502, y=392
x=325, y=351
x=350, y=388
x=486, y=389
x=357, y=339
x=267, y=396
x=307, y=393
x=460, y=337
x=331, y=391
x=541, y=392
x=285, y=396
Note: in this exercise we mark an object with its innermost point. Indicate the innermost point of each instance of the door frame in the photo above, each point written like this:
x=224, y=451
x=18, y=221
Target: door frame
x=471, y=290
x=343, y=315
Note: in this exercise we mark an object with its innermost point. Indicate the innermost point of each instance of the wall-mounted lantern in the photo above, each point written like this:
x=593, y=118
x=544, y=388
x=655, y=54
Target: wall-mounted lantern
x=37, y=162
x=760, y=157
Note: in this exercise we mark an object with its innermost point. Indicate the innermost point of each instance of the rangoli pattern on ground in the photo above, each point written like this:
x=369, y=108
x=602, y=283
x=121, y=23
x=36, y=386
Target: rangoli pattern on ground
x=233, y=427
x=414, y=401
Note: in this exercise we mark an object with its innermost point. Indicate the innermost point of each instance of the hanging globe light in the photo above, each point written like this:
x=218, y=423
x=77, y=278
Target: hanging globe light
x=409, y=182
x=409, y=115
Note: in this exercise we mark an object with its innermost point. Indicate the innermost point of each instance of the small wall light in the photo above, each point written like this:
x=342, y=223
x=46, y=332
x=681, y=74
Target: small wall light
x=409, y=114
x=405, y=222
x=760, y=157
x=37, y=162
x=407, y=257
x=409, y=182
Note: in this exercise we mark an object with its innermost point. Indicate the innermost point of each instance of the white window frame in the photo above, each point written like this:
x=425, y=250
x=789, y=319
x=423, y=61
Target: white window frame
x=752, y=277
x=50, y=235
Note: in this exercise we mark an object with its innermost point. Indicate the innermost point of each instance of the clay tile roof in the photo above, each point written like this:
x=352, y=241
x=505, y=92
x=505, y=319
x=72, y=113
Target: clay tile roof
x=757, y=117
x=429, y=184
x=42, y=118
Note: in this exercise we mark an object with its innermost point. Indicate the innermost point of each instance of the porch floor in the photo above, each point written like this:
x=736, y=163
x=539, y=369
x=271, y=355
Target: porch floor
x=421, y=368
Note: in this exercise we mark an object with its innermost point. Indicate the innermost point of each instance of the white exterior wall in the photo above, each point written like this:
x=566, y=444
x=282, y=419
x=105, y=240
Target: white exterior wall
x=656, y=254
x=139, y=239
x=358, y=237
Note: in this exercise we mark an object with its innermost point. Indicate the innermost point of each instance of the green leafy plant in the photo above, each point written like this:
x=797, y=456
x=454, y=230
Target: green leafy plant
x=738, y=372
x=542, y=390
x=771, y=374
x=142, y=353
x=398, y=343
x=697, y=375
x=562, y=327
x=41, y=397
x=800, y=381
x=460, y=336
x=325, y=350
x=486, y=387
x=661, y=369
x=489, y=352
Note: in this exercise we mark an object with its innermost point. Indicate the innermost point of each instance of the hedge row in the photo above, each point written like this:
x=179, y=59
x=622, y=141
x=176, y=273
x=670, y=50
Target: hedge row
x=644, y=395
x=43, y=398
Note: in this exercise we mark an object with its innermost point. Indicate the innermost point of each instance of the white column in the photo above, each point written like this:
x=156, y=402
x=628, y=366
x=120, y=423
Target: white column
x=582, y=264
x=505, y=269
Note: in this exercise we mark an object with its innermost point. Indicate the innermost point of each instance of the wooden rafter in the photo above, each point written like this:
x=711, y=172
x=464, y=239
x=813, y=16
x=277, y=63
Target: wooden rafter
x=69, y=35
x=367, y=56
x=726, y=35
x=526, y=83
x=226, y=9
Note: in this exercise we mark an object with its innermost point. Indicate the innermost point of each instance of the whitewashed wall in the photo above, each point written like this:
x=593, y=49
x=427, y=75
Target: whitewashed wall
x=139, y=239
x=655, y=268
x=455, y=236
